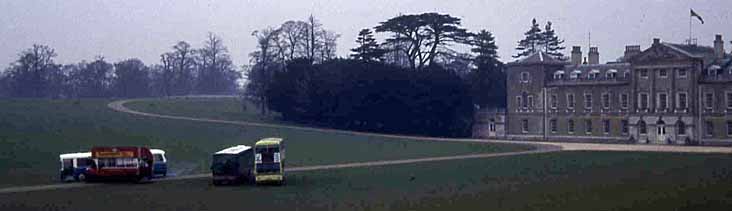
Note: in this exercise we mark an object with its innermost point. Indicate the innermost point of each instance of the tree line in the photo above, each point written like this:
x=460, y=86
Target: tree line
x=415, y=81
x=428, y=74
x=184, y=70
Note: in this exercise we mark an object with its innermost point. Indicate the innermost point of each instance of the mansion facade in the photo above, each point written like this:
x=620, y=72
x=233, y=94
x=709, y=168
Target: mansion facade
x=666, y=94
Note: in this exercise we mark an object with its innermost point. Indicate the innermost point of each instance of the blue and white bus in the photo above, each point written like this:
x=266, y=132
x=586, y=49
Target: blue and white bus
x=74, y=165
x=160, y=163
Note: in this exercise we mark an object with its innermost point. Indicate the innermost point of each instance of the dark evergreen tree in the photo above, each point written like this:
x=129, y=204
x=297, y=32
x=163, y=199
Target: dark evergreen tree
x=368, y=49
x=551, y=43
x=487, y=81
x=424, y=36
x=531, y=42
x=484, y=46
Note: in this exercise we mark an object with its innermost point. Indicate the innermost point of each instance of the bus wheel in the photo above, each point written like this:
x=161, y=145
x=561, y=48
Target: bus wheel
x=81, y=177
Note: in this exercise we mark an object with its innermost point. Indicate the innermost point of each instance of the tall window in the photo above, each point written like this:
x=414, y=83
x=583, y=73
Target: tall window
x=525, y=101
x=643, y=73
x=624, y=100
x=606, y=126
x=729, y=128
x=642, y=127
x=681, y=73
x=588, y=101
x=570, y=100
x=570, y=126
x=492, y=125
x=680, y=128
x=624, y=126
x=681, y=101
x=525, y=125
x=709, y=129
x=729, y=100
x=643, y=100
x=553, y=100
x=519, y=101
x=708, y=99
x=606, y=100
x=662, y=101
x=553, y=125
x=531, y=101
x=588, y=126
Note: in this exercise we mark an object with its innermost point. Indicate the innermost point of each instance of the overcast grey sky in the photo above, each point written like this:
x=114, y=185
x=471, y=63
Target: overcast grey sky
x=120, y=29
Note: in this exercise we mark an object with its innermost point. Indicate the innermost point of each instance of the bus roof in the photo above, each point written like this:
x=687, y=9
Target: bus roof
x=234, y=150
x=269, y=141
x=75, y=155
x=157, y=151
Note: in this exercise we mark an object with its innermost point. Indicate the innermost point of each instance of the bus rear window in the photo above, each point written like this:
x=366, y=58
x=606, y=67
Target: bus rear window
x=158, y=157
x=268, y=154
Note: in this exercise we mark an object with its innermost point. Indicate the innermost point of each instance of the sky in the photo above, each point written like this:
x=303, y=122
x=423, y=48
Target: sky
x=84, y=29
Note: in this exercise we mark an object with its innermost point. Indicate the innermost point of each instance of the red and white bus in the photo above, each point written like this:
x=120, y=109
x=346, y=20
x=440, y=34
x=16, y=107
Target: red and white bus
x=128, y=163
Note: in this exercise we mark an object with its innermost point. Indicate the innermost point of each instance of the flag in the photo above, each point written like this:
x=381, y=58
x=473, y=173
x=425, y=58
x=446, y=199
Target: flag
x=693, y=14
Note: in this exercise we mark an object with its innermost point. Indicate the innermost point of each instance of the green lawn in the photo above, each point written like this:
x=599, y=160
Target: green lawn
x=555, y=181
x=34, y=132
x=213, y=108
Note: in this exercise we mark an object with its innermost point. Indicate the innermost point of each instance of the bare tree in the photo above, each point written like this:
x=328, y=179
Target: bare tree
x=216, y=73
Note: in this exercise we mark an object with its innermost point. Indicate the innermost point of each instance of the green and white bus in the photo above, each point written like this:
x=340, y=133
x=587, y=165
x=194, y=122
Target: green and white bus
x=269, y=161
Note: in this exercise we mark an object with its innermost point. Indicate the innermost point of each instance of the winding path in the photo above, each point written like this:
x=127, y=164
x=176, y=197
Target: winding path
x=539, y=147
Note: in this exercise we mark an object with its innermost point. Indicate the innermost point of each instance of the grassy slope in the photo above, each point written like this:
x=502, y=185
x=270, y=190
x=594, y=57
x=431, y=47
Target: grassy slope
x=219, y=108
x=34, y=132
x=556, y=181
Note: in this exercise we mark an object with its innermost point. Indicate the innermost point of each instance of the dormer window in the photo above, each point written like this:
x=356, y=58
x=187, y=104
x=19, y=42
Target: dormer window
x=611, y=74
x=575, y=74
x=593, y=74
x=714, y=70
x=559, y=75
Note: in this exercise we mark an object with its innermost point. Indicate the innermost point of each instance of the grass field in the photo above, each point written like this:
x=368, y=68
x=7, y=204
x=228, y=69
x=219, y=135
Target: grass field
x=555, y=181
x=212, y=108
x=34, y=132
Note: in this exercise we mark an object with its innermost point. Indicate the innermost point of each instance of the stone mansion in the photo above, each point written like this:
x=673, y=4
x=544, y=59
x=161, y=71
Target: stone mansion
x=666, y=94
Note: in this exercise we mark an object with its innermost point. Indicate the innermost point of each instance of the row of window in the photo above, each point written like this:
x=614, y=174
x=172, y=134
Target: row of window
x=642, y=127
x=594, y=74
x=606, y=100
x=709, y=100
x=526, y=100
x=117, y=162
x=709, y=128
x=612, y=73
x=664, y=73
x=571, y=126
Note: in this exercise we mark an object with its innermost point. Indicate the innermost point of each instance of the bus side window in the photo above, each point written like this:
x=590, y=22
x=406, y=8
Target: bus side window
x=83, y=162
x=67, y=163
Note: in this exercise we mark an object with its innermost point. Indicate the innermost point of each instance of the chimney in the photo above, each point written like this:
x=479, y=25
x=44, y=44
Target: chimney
x=656, y=41
x=576, y=57
x=718, y=47
x=630, y=51
x=594, y=56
